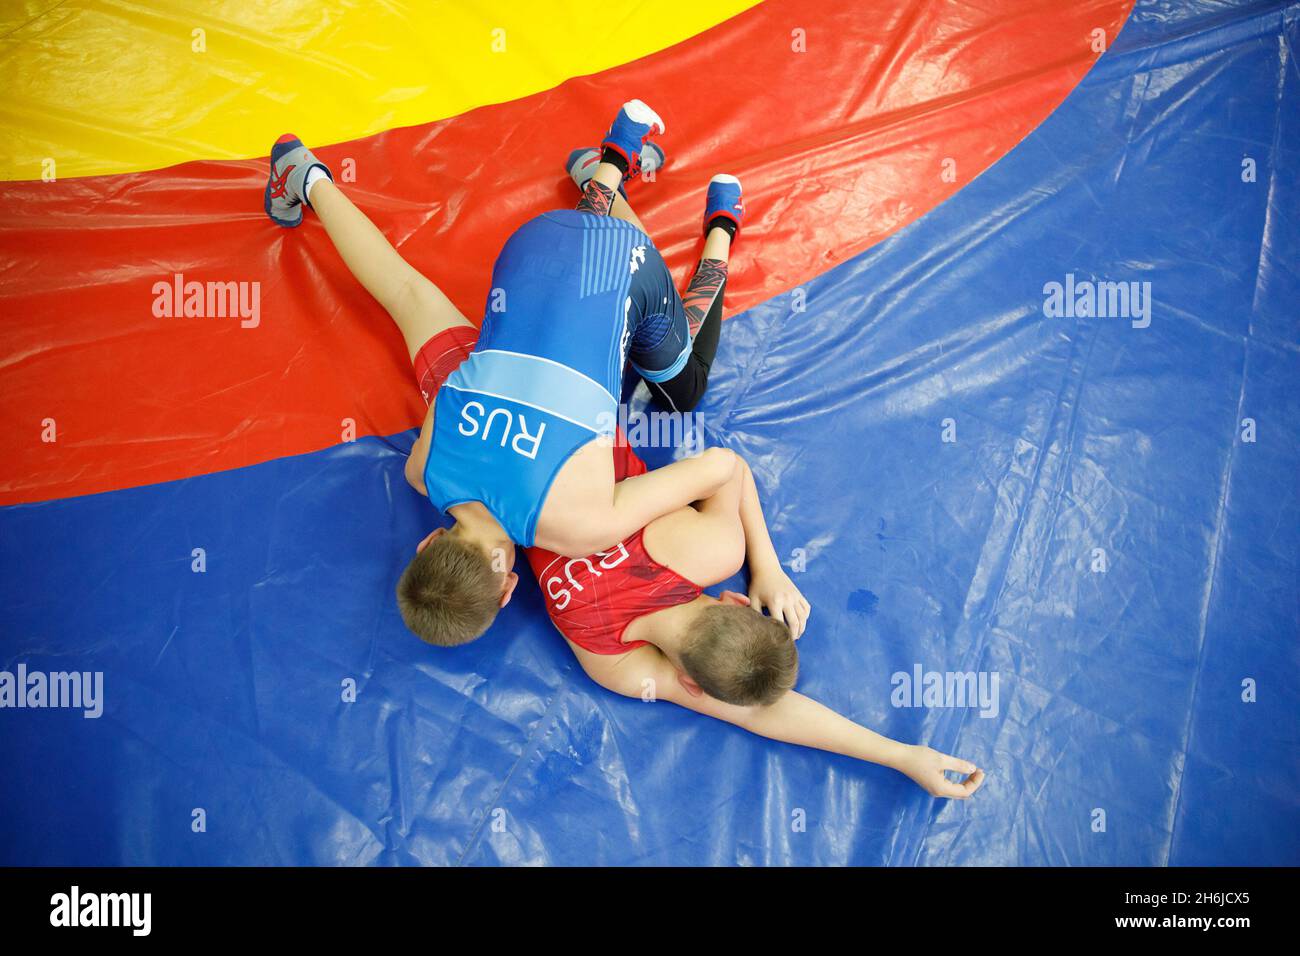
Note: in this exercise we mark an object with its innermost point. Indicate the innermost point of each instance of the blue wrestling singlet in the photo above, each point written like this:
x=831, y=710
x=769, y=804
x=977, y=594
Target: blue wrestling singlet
x=574, y=297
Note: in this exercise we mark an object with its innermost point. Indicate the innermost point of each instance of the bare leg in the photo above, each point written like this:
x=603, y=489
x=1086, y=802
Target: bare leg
x=717, y=245
x=621, y=209
x=419, y=307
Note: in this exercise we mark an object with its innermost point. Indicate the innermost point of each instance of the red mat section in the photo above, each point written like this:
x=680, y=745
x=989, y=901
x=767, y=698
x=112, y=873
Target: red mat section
x=838, y=145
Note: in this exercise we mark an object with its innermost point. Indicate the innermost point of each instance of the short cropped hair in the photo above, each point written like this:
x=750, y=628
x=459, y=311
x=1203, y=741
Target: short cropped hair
x=740, y=656
x=449, y=594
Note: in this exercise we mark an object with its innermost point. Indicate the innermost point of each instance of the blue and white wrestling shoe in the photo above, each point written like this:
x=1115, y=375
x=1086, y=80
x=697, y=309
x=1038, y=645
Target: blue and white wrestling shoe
x=634, y=124
x=285, y=194
x=581, y=164
x=724, y=200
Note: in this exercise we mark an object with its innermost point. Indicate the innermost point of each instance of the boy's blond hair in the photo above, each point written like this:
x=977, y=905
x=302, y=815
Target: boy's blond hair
x=740, y=656
x=449, y=594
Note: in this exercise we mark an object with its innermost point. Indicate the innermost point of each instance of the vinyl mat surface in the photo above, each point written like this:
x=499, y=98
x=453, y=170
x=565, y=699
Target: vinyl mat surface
x=1096, y=506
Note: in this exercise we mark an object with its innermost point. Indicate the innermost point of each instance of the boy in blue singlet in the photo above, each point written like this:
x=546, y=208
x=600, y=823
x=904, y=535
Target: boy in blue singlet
x=514, y=446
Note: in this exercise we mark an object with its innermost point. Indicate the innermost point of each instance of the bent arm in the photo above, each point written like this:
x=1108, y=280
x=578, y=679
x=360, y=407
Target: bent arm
x=732, y=520
x=759, y=550
x=640, y=500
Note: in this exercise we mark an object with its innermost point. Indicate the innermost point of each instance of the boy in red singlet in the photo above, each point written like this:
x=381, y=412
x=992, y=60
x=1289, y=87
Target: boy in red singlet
x=638, y=622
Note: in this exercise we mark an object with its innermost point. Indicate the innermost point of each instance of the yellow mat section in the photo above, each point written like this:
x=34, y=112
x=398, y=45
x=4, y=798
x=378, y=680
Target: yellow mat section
x=102, y=87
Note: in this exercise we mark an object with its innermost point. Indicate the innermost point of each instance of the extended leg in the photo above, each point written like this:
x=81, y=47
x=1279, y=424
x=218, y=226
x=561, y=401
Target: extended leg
x=298, y=181
x=420, y=309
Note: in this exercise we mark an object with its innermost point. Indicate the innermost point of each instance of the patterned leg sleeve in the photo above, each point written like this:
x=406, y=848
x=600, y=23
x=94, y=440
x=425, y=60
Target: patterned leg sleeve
x=597, y=199
x=702, y=291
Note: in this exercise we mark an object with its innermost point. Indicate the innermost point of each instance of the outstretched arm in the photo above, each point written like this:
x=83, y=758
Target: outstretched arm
x=794, y=719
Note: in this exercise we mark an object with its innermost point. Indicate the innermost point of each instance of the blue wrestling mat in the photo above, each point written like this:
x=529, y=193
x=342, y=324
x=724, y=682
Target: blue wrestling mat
x=1046, y=435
